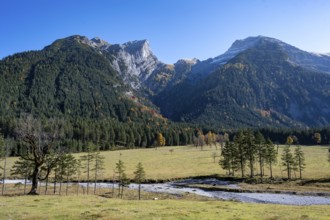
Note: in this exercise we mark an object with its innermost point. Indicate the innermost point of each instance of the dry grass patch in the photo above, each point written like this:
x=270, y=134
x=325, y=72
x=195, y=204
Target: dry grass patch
x=186, y=161
x=95, y=207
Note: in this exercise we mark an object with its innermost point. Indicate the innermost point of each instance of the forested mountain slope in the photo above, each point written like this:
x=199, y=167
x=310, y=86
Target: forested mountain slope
x=258, y=87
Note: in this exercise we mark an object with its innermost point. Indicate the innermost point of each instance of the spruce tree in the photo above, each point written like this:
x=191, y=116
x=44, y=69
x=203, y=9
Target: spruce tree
x=241, y=154
x=87, y=161
x=98, y=166
x=249, y=149
x=120, y=170
x=229, y=160
x=23, y=169
x=287, y=160
x=299, y=160
x=139, y=176
x=261, y=151
x=270, y=155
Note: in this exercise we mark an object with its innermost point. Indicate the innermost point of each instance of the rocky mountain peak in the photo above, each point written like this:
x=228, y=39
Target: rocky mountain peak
x=241, y=45
x=140, y=48
x=99, y=43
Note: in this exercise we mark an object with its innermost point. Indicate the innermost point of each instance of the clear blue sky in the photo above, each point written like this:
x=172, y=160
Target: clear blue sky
x=174, y=28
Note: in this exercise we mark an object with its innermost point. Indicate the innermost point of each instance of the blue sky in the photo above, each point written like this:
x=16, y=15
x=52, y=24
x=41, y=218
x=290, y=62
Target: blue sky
x=174, y=28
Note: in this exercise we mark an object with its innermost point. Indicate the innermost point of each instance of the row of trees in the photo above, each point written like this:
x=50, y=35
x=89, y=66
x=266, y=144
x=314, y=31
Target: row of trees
x=250, y=150
x=245, y=151
x=293, y=162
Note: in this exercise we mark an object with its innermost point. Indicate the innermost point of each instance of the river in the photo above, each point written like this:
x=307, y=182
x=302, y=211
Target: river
x=179, y=187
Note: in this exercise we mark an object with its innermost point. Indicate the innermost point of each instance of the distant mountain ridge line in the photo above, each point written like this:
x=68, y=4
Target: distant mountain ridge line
x=235, y=89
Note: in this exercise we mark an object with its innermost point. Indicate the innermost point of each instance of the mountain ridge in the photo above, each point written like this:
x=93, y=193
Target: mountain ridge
x=245, y=86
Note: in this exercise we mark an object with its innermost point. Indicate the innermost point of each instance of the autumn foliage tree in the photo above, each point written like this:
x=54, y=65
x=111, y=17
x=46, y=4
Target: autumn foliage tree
x=317, y=137
x=160, y=139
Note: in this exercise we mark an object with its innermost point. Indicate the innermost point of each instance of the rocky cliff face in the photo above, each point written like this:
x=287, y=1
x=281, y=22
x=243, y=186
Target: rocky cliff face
x=134, y=61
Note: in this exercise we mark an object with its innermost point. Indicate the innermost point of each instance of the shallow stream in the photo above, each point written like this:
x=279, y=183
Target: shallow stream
x=180, y=187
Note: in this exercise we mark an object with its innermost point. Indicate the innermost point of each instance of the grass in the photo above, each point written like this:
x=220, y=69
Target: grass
x=163, y=164
x=96, y=207
x=186, y=161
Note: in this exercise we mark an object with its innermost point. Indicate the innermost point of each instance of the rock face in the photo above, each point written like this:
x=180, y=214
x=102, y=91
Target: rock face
x=134, y=61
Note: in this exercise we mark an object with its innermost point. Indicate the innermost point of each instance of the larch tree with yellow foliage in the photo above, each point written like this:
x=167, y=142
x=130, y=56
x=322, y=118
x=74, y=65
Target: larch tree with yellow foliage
x=160, y=139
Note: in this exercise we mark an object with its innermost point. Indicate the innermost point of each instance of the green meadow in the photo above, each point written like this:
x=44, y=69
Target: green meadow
x=161, y=164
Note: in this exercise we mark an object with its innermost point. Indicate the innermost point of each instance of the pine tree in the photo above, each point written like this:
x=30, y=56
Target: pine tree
x=87, y=161
x=287, y=160
x=261, y=151
x=98, y=166
x=22, y=168
x=71, y=168
x=229, y=160
x=120, y=170
x=241, y=154
x=270, y=155
x=249, y=149
x=139, y=176
x=299, y=160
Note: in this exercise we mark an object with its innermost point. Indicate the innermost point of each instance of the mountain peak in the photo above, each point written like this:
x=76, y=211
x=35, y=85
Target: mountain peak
x=97, y=42
x=139, y=47
x=241, y=45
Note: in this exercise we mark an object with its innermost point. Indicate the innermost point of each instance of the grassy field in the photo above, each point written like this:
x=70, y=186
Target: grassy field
x=163, y=164
x=96, y=207
x=186, y=161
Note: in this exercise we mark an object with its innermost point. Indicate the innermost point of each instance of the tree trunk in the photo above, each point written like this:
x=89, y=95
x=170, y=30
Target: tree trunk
x=260, y=162
x=242, y=167
x=122, y=192
x=55, y=183
x=95, y=180
x=87, y=176
x=34, y=186
x=39, y=188
x=61, y=180
x=67, y=185
x=113, y=185
x=271, y=170
x=25, y=180
x=46, y=187
x=300, y=174
x=139, y=191
x=4, y=174
x=251, y=168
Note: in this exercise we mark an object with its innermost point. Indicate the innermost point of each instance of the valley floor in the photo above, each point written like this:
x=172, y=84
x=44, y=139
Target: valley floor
x=164, y=164
x=97, y=207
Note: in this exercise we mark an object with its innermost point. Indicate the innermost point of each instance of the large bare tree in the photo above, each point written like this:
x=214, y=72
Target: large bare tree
x=39, y=140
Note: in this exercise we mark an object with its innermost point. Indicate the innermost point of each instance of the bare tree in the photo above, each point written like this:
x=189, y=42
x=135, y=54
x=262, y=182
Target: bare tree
x=39, y=139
